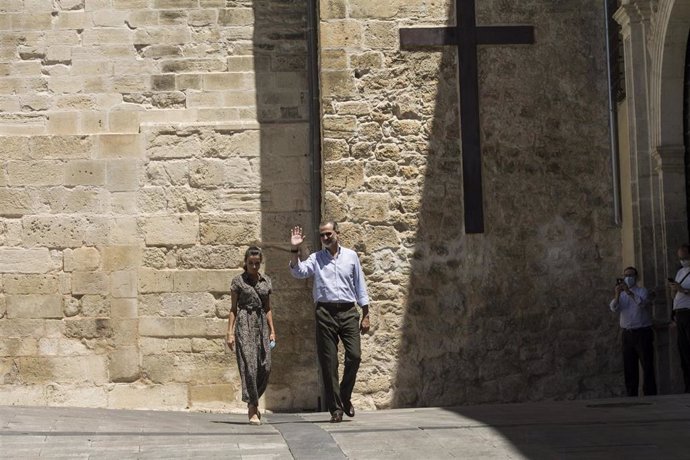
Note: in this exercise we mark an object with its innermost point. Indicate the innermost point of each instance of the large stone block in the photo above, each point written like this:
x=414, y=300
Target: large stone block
x=228, y=80
x=75, y=201
x=344, y=175
x=120, y=146
x=371, y=207
x=343, y=33
x=35, y=173
x=89, y=283
x=381, y=35
x=338, y=84
x=194, y=368
x=170, y=230
x=107, y=36
x=82, y=259
x=95, y=305
x=61, y=147
x=124, y=308
x=122, y=175
x=151, y=281
x=123, y=365
x=186, y=305
x=335, y=149
x=206, y=173
x=16, y=202
x=139, y=396
x=168, y=146
x=368, y=10
x=236, y=17
x=191, y=327
x=85, y=172
x=170, y=35
x=66, y=232
x=76, y=395
x=333, y=9
x=124, y=121
x=16, y=260
x=123, y=203
x=152, y=326
x=215, y=395
x=15, y=346
x=125, y=231
x=121, y=257
x=231, y=229
x=203, y=280
x=30, y=284
x=63, y=369
x=223, y=144
x=124, y=284
x=21, y=395
x=242, y=173
x=88, y=328
x=15, y=147
x=23, y=327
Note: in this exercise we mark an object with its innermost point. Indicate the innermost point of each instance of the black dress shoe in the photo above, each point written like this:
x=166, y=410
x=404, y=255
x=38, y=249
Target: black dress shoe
x=349, y=409
x=337, y=416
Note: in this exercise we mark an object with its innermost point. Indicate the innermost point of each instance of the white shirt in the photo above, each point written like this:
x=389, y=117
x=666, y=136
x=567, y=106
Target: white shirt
x=682, y=301
x=634, y=310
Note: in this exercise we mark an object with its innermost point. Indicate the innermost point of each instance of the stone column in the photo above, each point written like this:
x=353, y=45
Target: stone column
x=634, y=22
x=671, y=201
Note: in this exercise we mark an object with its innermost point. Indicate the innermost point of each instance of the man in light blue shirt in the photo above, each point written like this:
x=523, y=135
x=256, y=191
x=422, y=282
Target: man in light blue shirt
x=338, y=285
x=632, y=303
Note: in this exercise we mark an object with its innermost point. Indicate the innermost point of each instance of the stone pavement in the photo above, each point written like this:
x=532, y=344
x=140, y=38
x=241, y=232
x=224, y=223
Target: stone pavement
x=625, y=428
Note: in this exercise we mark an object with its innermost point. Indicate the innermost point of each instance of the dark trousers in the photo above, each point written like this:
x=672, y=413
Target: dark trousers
x=332, y=325
x=683, y=328
x=638, y=346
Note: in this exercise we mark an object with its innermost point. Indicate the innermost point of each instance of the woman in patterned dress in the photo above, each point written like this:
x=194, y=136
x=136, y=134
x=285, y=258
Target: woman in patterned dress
x=250, y=330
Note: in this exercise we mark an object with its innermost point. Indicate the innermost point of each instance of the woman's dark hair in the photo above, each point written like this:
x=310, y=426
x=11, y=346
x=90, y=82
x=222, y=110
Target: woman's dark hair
x=250, y=252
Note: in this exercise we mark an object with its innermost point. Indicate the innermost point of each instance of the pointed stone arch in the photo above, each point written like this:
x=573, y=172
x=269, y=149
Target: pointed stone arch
x=668, y=72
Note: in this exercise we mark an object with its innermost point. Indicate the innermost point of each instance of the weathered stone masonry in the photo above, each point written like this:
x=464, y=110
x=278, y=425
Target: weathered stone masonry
x=143, y=146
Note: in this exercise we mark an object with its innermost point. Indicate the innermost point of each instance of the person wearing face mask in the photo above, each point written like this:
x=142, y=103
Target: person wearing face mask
x=680, y=288
x=338, y=285
x=632, y=303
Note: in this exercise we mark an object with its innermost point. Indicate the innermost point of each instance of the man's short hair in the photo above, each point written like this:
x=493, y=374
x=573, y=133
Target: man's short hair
x=630, y=268
x=332, y=223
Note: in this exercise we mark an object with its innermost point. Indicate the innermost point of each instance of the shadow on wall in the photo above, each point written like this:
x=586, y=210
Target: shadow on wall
x=280, y=64
x=502, y=316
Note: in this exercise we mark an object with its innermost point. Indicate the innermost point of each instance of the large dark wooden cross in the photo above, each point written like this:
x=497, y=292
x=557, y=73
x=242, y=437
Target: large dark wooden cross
x=466, y=35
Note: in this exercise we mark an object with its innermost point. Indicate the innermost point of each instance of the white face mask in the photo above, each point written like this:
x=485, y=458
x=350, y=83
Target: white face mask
x=630, y=281
x=685, y=262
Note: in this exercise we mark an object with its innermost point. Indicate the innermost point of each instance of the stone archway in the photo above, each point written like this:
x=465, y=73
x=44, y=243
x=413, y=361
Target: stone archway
x=668, y=72
x=667, y=87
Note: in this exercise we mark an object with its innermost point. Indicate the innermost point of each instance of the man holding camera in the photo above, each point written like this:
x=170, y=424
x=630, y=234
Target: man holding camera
x=632, y=303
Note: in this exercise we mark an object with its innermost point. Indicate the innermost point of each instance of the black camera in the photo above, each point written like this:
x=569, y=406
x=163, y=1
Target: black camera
x=619, y=281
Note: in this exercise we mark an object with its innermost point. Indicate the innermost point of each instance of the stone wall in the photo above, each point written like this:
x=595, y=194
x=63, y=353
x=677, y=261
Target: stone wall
x=520, y=311
x=144, y=144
